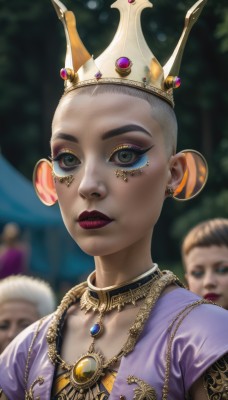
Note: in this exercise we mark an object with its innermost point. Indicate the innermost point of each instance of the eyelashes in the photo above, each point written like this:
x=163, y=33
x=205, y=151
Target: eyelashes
x=65, y=162
x=126, y=157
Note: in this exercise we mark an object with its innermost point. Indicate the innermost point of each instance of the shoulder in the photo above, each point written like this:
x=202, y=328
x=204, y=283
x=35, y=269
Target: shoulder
x=199, y=334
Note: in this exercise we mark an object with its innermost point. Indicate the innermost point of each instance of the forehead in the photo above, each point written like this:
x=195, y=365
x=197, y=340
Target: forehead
x=101, y=112
x=207, y=255
x=17, y=307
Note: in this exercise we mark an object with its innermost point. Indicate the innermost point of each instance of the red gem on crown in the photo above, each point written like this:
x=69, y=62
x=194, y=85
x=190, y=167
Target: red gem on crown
x=123, y=65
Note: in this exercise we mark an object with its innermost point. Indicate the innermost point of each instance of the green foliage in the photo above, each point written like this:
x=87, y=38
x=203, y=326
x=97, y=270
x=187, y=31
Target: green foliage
x=32, y=47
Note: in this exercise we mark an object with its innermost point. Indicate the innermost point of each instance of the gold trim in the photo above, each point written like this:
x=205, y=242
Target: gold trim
x=215, y=380
x=106, y=302
x=30, y=354
x=144, y=391
x=136, y=329
x=29, y=395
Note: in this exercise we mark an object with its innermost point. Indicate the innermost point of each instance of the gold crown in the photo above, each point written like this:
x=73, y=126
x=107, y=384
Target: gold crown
x=128, y=59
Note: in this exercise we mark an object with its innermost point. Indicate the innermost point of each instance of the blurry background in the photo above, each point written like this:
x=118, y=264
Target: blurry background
x=32, y=51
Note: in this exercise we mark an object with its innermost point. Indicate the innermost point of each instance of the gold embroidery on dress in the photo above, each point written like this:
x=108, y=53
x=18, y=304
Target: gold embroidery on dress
x=172, y=329
x=135, y=331
x=144, y=391
x=216, y=380
x=29, y=395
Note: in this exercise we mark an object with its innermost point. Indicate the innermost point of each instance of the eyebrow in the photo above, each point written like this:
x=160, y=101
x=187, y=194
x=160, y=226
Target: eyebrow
x=124, y=129
x=107, y=135
x=64, y=136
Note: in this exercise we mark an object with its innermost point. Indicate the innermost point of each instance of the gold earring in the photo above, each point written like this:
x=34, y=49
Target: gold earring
x=169, y=191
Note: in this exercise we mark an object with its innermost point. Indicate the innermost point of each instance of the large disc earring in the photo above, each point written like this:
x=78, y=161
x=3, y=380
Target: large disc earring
x=195, y=176
x=43, y=182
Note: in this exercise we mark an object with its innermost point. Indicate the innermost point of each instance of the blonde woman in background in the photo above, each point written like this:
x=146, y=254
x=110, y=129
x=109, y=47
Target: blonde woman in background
x=23, y=300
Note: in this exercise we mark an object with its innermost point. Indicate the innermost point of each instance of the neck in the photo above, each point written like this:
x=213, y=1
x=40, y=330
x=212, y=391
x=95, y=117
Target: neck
x=123, y=266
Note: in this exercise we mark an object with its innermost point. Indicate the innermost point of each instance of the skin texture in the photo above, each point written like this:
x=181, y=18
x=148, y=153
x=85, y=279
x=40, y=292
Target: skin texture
x=133, y=206
x=207, y=272
x=15, y=315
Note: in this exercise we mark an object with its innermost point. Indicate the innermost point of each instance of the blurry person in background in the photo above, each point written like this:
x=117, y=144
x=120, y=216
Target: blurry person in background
x=14, y=253
x=23, y=300
x=205, y=259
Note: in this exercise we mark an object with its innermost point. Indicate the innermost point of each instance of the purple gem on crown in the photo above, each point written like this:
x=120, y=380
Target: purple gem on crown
x=123, y=62
x=98, y=75
x=64, y=74
x=131, y=1
x=176, y=82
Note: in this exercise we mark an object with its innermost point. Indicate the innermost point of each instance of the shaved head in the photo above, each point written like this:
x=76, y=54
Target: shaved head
x=161, y=111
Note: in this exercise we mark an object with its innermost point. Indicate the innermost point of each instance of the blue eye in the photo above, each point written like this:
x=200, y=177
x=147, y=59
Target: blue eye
x=222, y=270
x=129, y=156
x=197, y=274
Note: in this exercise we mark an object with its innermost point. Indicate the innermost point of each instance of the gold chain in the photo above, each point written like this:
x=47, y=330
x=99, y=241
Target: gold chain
x=71, y=297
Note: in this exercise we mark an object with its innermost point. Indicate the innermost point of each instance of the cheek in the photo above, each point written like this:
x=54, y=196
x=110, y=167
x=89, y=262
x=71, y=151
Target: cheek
x=195, y=285
x=223, y=282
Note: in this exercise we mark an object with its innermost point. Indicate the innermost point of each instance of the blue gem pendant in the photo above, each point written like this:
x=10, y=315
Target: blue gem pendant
x=98, y=328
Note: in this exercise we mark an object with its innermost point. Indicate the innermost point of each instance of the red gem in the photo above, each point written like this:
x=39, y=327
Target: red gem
x=176, y=82
x=123, y=62
x=64, y=74
x=131, y=1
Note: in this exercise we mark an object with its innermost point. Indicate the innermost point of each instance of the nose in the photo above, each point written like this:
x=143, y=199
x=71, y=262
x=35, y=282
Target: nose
x=209, y=280
x=93, y=185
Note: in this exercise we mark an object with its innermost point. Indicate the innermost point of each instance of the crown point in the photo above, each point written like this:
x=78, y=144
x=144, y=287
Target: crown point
x=123, y=66
x=172, y=82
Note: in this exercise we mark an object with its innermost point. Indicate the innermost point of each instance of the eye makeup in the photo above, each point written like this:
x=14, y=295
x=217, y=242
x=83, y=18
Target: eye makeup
x=131, y=158
x=64, y=162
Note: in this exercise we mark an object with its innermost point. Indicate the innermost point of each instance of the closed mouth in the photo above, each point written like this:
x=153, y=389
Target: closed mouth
x=212, y=296
x=93, y=220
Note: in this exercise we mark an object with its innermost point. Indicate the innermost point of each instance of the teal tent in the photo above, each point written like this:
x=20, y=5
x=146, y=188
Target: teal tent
x=54, y=255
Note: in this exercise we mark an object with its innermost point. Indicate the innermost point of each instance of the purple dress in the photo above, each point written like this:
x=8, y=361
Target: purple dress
x=200, y=340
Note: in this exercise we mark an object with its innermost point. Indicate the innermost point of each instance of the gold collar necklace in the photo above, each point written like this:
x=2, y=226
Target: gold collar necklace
x=84, y=375
x=117, y=296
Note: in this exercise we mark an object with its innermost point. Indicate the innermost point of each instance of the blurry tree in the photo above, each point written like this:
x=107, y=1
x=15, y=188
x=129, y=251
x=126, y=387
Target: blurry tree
x=32, y=47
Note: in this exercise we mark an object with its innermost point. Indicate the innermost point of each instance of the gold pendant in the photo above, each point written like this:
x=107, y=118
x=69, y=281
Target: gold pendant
x=86, y=371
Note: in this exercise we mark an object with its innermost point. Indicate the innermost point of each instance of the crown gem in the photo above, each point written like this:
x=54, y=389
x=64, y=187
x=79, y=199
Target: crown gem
x=123, y=63
x=98, y=75
x=82, y=70
x=123, y=66
x=64, y=74
x=176, y=82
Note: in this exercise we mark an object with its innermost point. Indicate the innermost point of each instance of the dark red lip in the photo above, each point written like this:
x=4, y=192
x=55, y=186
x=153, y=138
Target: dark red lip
x=212, y=296
x=93, y=220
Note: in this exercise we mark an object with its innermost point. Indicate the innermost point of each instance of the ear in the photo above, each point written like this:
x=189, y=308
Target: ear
x=194, y=177
x=43, y=182
x=178, y=167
